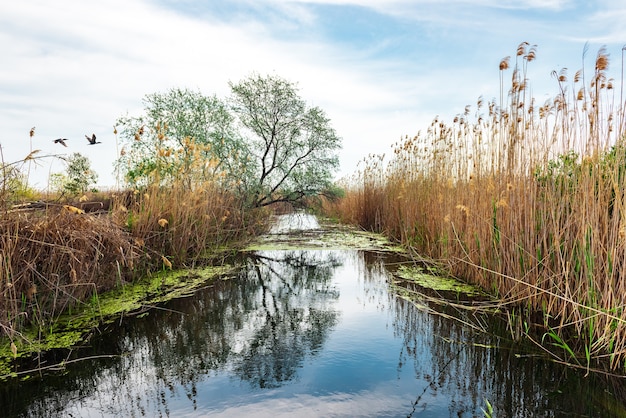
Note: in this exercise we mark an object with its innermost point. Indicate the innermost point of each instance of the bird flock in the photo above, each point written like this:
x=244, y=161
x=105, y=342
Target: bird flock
x=91, y=139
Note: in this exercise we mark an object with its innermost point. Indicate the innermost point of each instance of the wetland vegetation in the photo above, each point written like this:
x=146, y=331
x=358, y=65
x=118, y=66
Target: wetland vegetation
x=201, y=173
x=304, y=328
x=524, y=201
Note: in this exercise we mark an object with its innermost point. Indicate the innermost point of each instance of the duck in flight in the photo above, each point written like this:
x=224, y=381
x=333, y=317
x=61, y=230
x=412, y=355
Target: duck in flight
x=92, y=139
x=61, y=141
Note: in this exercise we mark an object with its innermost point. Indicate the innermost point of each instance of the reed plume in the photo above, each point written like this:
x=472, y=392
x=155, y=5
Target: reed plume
x=526, y=201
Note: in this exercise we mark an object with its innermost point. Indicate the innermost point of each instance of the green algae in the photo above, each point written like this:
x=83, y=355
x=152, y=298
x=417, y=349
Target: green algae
x=63, y=339
x=72, y=329
x=162, y=287
x=426, y=279
x=330, y=236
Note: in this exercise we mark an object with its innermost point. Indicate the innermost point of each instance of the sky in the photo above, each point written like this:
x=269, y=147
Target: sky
x=380, y=69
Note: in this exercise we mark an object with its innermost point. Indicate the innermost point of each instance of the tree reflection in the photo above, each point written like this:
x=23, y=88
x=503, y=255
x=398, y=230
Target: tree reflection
x=291, y=314
x=261, y=324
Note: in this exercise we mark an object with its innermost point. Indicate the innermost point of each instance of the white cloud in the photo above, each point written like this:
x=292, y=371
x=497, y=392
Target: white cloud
x=364, y=404
x=74, y=73
x=72, y=68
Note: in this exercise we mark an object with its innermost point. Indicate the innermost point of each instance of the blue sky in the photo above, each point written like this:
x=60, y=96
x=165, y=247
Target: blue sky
x=380, y=69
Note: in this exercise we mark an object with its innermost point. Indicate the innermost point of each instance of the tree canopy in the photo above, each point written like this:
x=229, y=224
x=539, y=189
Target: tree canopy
x=294, y=146
x=78, y=176
x=262, y=142
x=183, y=135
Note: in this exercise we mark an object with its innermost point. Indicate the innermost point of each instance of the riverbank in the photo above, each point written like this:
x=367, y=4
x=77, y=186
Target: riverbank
x=525, y=200
x=58, y=259
x=552, y=251
x=125, y=282
x=22, y=353
x=313, y=309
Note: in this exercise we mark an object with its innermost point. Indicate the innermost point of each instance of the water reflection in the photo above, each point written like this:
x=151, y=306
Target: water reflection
x=290, y=316
x=298, y=221
x=304, y=333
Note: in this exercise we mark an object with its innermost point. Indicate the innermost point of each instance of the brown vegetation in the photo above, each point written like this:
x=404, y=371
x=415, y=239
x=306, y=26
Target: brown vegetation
x=526, y=200
x=53, y=258
x=56, y=254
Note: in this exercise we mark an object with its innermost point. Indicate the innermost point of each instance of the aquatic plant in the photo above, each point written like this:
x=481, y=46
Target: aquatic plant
x=488, y=413
x=525, y=200
x=54, y=256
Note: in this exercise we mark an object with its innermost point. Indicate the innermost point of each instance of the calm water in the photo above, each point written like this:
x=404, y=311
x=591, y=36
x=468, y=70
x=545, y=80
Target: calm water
x=304, y=334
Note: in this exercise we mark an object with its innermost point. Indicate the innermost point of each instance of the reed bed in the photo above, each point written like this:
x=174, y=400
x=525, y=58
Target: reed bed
x=54, y=259
x=54, y=255
x=525, y=200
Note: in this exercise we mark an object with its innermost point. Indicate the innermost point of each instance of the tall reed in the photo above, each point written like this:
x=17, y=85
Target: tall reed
x=54, y=256
x=525, y=200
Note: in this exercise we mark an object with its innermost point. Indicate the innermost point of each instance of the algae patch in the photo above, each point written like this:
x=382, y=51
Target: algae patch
x=328, y=236
x=427, y=280
x=74, y=327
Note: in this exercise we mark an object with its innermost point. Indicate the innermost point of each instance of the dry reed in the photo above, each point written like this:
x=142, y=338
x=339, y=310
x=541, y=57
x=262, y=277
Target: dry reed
x=526, y=201
x=54, y=258
x=54, y=255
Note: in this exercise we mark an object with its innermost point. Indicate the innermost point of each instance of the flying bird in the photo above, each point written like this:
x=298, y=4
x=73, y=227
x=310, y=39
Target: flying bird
x=61, y=141
x=92, y=139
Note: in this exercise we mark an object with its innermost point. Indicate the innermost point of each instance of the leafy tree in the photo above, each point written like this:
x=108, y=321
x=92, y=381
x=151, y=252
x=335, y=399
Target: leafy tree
x=78, y=176
x=294, y=146
x=183, y=135
x=264, y=144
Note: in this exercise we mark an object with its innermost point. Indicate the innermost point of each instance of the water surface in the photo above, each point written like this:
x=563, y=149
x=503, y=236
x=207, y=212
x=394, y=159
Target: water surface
x=305, y=333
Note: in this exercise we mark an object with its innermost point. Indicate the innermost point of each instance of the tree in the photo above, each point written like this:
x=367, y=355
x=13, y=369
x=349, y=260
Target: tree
x=78, y=177
x=264, y=144
x=294, y=146
x=183, y=135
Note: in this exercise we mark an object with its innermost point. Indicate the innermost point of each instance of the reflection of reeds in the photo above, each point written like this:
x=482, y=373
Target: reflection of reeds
x=488, y=195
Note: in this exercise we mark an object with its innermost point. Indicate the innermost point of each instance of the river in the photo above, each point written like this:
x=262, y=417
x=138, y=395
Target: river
x=309, y=332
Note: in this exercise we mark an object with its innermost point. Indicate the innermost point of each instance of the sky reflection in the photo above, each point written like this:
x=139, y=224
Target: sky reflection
x=307, y=334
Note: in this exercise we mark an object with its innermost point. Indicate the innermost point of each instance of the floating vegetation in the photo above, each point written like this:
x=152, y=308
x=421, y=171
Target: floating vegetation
x=74, y=328
x=425, y=279
x=327, y=235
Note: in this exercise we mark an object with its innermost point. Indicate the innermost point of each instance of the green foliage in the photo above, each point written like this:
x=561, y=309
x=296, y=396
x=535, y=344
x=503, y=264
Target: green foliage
x=496, y=229
x=565, y=174
x=557, y=341
x=568, y=168
x=14, y=185
x=563, y=171
x=614, y=160
x=294, y=146
x=489, y=412
x=334, y=192
x=78, y=176
x=266, y=145
x=179, y=128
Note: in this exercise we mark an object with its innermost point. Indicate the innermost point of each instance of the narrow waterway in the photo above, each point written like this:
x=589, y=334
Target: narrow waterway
x=305, y=333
